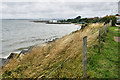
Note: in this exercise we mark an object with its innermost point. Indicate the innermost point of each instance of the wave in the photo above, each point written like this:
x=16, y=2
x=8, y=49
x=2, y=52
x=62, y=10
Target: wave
x=19, y=49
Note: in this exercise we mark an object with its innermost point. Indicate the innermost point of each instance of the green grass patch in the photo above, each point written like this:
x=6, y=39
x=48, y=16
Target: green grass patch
x=105, y=64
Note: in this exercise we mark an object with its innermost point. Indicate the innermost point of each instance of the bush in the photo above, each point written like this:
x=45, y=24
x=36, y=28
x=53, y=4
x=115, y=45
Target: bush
x=6, y=73
x=84, y=25
x=107, y=19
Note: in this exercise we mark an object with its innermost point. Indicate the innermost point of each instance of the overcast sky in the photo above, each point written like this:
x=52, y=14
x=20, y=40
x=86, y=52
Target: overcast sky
x=57, y=10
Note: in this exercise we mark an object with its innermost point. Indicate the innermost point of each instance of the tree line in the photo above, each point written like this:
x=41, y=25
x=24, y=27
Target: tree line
x=80, y=20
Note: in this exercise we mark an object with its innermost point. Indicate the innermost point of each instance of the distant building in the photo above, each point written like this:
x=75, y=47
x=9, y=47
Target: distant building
x=93, y=18
x=118, y=18
x=53, y=21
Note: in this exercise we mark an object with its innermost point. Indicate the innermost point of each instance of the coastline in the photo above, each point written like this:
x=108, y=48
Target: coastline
x=54, y=39
x=7, y=59
x=47, y=22
x=40, y=34
x=53, y=52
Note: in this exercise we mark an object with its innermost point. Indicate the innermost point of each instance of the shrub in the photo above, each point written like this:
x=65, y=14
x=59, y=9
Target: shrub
x=107, y=19
x=84, y=25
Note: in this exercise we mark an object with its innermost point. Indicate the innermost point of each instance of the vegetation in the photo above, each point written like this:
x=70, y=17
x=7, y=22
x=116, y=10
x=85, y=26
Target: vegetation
x=105, y=19
x=105, y=65
x=43, y=59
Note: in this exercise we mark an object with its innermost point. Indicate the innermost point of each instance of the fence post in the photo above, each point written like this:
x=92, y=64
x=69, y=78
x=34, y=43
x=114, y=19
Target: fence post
x=99, y=40
x=105, y=29
x=85, y=57
x=110, y=23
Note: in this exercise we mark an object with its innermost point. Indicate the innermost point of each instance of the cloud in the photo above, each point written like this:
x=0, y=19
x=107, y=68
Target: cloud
x=57, y=10
x=59, y=0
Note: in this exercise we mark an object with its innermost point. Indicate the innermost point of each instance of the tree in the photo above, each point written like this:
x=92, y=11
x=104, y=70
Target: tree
x=78, y=17
x=107, y=19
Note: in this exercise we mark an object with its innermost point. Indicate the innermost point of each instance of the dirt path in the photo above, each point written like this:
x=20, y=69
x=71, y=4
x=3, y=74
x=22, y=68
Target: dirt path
x=117, y=39
x=117, y=30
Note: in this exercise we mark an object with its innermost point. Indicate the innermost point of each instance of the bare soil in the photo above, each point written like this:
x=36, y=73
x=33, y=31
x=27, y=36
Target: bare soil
x=117, y=39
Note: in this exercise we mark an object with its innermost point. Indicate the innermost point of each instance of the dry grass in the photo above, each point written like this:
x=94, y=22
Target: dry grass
x=43, y=59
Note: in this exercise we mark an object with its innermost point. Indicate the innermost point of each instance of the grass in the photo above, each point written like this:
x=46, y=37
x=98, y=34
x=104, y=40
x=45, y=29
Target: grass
x=41, y=60
x=105, y=64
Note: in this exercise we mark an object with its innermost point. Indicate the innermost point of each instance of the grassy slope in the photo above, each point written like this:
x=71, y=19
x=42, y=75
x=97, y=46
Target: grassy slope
x=42, y=60
x=105, y=65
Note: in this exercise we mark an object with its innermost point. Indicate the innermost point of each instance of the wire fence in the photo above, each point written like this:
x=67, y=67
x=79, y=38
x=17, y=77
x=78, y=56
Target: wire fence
x=102, y=32
x=64, y=61
x=76, y=71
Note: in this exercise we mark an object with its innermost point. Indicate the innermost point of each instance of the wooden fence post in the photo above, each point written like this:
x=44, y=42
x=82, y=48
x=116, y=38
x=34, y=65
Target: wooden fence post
x=110, y=23
x=99, y=40
x=85, y=57
x=105, y=29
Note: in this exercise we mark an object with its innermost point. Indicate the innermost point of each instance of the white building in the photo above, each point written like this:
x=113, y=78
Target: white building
x=53, y=21
x=118, y=19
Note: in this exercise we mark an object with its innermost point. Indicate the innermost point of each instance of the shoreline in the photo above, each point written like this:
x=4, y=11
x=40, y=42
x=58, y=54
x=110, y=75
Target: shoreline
x=55, y=51
x=47, y=22
x=17, y=51
x=5, y=60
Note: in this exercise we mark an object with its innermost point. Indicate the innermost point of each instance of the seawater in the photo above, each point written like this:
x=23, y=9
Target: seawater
x=21, y=34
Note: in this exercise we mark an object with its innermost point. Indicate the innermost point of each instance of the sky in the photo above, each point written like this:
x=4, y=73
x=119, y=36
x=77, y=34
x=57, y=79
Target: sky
x=58, y=9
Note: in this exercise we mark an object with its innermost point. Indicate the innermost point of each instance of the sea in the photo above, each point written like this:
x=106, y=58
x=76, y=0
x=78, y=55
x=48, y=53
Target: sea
x=21, y=34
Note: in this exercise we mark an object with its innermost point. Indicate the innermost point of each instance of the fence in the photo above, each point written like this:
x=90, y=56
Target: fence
x=102, y=33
